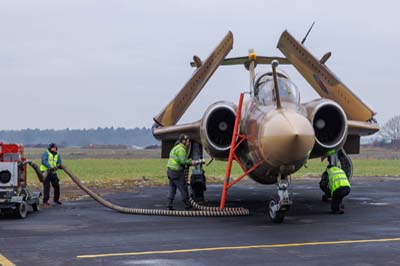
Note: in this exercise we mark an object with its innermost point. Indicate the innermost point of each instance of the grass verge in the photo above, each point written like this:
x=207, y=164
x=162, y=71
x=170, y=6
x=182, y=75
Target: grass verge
x=153, y=171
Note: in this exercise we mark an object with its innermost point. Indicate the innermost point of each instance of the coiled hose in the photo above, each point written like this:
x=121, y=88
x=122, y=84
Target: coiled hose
x=201, y=211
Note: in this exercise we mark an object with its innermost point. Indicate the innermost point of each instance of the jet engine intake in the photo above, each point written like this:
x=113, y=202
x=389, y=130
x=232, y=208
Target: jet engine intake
x=330, y=124
x=217, y=127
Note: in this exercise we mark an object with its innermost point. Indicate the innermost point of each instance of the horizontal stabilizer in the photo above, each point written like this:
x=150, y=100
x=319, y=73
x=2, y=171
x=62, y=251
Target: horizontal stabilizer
x=325, y=83
x=244, y=60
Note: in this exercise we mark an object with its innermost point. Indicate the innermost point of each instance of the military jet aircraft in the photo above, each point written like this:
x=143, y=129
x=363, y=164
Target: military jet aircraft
x=281, y=133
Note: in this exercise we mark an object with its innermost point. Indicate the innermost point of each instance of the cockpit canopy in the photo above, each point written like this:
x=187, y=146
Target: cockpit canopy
x=265, y=93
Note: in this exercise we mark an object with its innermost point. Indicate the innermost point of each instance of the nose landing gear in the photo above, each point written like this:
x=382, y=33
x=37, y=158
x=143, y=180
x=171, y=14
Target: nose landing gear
x=280, y=202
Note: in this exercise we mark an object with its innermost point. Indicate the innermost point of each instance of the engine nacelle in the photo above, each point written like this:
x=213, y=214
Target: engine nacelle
x=330, y=125
x=217, y=127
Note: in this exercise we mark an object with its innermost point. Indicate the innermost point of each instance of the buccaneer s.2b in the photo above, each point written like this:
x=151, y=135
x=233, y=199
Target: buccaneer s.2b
x=279, y=132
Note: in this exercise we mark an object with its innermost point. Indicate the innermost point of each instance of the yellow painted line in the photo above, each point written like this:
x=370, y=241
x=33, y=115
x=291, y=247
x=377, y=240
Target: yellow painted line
x=238, y=247
x=5, y=262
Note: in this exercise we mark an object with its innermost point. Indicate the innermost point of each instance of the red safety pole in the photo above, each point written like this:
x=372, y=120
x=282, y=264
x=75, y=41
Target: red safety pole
x=231, y=152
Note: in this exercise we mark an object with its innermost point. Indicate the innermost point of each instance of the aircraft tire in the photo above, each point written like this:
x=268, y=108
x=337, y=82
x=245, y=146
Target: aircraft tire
x=275, y=217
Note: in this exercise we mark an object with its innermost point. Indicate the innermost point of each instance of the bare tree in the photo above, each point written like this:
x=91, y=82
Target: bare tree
x=391, y=129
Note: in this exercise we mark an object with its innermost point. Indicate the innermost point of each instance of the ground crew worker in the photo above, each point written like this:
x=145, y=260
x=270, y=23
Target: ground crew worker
x=324, y=183
x=176, y=166
x=339, y=187
x=51, y=161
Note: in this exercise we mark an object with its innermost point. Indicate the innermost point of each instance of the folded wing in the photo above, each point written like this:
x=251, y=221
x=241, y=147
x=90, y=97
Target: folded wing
x=171, y=114
x=326, y=84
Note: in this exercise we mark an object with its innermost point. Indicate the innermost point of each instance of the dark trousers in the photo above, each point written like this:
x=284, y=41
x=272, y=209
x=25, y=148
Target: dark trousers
x=177, y=181
x=54, y=181
x=338, y=196
x=324, y=185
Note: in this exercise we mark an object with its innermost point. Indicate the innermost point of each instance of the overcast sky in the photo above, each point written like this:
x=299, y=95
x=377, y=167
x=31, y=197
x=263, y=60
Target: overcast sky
x=85, y=64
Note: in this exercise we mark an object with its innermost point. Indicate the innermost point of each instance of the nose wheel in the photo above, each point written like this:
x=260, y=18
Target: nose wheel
x=279, y=203
x=275, y=215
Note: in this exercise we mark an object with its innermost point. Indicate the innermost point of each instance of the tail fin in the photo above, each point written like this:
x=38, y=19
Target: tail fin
x=171, y=114
x=322, y=79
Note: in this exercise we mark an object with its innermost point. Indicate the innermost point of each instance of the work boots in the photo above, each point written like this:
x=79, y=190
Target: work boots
x=170, y=205
x=337, y=211
x=188, y=206
x=46, y=205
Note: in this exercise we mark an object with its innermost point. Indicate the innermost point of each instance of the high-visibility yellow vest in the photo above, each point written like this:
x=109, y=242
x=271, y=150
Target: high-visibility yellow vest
x=337, y=178
x=52, y=159
x=178, y=158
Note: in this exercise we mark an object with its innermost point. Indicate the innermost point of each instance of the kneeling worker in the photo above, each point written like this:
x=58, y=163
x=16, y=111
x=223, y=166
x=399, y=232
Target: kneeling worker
x=51, y=161
x=339, y=187
x=176, y=166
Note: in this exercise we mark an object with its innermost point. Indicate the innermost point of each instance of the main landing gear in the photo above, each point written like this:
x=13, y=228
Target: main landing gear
x=197, y=179
x=280, y=202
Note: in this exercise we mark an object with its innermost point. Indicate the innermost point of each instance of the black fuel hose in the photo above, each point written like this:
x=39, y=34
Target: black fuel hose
x=199, y=211
x=35, y=168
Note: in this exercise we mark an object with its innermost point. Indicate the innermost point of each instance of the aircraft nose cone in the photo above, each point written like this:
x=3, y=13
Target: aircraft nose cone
x=286, y=136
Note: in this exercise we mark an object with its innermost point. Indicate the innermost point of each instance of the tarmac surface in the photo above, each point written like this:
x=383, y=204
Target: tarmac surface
x=367, y=234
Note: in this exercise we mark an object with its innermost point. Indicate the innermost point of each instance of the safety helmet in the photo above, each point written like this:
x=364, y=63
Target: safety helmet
x=182, y=138
x=52, y=145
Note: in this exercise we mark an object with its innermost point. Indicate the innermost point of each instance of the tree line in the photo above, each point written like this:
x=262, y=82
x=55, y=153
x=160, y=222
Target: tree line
x=391, y=129
x=140, y=137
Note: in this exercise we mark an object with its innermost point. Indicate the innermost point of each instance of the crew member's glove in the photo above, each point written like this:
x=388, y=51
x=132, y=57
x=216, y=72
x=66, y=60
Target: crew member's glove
x=199, y=161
